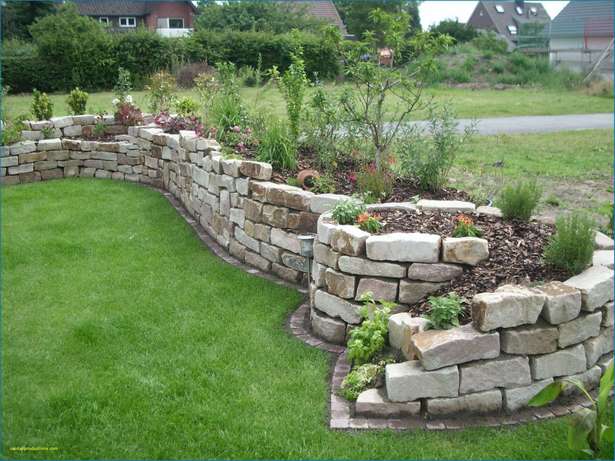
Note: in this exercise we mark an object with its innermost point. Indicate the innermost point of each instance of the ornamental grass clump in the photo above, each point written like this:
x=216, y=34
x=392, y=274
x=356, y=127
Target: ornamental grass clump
x=572, y=247
x=519, y=201
x=277, y=146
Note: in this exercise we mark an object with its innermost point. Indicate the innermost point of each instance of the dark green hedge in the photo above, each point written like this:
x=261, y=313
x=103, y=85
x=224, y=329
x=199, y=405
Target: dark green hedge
x=60, y=61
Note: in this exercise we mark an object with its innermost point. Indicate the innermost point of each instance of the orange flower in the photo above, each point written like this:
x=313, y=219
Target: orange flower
x=363, y=217
x=463, y=219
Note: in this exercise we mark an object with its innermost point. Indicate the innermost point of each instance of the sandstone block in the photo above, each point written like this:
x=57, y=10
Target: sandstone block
x=337, y=307
x=603, y=242
x=598, y=346
x=102, y=174
x=270, y=252
x=246, y=241
x=453, y=206
x=412, y=292
x=509, y=306
x=373, y=402
x=318, y=274
x=579, y=329
x=285, y=240
x=296, y=262
x=607, y=315
x=290, y=197
x=349, y=240
x=590, y=379
x=237, y=250
x=596, y=286
x=605, y=361
x=23, y=147
x=518, y=397
x=275, y=216
x=256, y=170
x=503, y=371
x=242, y=185
x=12, y=161
x=339, y=284
x=540, y=338
x=603, y=258
x=562, y=304
x=381, y=289
x=401, y=328
x=406, y=247
x=50, y=144
x=230, y=167
x=440, y=348
x=322, y=203
x=303, y=222
x=360, y=266
x=325, y=229
x=561, y=363
x=237, y=216
x=327, y=328
x=408, y=381
x=73, y=130
x=19, y=169
x=434, y=272
x=325, y=255
x=258, y=261
x=253, y=210
x=480, y=402
x=489, y=211
x=465, y=250
x=61, y=122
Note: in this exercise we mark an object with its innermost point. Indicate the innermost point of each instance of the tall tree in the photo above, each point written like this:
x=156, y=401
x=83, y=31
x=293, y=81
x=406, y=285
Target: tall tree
x=17, y=16
x=356, y=14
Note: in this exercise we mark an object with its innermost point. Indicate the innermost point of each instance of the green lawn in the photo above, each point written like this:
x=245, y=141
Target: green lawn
x=123, y=337
x=468, y=103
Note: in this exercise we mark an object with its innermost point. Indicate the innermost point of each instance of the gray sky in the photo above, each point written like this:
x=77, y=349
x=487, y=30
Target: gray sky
x=432, y=12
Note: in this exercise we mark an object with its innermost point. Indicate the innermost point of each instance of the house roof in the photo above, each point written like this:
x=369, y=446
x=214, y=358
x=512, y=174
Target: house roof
x=119, y=7
x=323, y=9
x=503, y=13
x=592, y=18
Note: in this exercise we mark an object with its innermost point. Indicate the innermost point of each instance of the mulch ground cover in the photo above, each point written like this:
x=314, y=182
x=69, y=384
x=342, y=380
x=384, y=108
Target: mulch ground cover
x=515, y=251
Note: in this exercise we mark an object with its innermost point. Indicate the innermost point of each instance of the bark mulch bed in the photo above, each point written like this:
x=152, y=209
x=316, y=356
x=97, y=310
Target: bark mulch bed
x=515, y=251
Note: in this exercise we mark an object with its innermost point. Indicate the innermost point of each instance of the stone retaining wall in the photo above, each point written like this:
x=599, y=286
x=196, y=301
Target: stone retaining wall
x=521, y=338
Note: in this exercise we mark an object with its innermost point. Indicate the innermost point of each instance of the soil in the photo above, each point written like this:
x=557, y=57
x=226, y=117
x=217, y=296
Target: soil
x=344, y=181
x=515, y=252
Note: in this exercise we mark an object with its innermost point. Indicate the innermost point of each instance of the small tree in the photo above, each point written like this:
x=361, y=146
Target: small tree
x=373, y=85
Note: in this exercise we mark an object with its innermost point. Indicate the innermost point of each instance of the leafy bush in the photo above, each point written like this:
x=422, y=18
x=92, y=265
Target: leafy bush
x=444, y=311
x=464, y=227
x=187, y=106
x=589, y=427
x=323, y=184
x=178, y=123
x=459, y=31
x=127, y=114
x=429, y=157
x=361, y=378
x=293, y=85
x=186, y=75
x=22, y=67
x=42, y=107
x=367, y=340
x=374, y=185
x=277, y=146
x=347, y=211
x=490, y=42
x=323, y=127
x=519, y=201
x=227, y=109
x=572, y=246
x=369, y=223
x=11, y=129
x=77, y=100
x=161, y=92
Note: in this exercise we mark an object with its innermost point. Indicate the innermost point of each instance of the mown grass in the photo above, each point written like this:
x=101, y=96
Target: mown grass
x=468, y=103
x=124, y=338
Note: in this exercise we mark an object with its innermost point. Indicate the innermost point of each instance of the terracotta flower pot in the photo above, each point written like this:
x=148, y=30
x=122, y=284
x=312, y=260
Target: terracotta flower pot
x=306, y=178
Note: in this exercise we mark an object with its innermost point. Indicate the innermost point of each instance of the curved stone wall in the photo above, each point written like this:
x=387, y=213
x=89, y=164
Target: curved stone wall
x=521, y=339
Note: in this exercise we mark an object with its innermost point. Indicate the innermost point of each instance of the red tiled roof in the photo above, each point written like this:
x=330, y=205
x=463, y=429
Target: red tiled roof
x=119, y=7
x=323, y=9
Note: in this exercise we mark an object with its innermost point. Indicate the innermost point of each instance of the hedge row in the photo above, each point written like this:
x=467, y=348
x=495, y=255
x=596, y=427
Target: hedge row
x=92, y=62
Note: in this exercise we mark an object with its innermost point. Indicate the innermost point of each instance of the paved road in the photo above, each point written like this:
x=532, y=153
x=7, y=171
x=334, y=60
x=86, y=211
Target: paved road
x=538, y=123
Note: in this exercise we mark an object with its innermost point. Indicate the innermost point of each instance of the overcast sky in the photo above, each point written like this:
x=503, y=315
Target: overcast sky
x=432, y=12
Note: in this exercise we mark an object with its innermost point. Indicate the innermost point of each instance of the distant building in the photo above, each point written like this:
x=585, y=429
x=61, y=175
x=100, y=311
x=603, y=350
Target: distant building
x=324, y=10
x=507, y=18
x=171, y=18
x=582, y=34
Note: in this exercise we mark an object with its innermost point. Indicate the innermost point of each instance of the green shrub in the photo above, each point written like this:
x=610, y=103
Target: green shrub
x=11, y=129
x=374, y=186
x=161, y=92
x=361, y=378
x=42, y=107
x=77, y=100
x=367, y=340
x=323, y=184
x=519, y=201
x=444, y=311
x=490, y=42
x=429, y=157
x=187, y=106
x=347, y=211
x=277, y=146
x=22, y=67
x=458, y=75
x=572, y=246
x=293, y=85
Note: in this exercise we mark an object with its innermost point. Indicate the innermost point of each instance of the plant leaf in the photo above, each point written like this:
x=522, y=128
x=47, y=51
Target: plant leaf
x=607, y=434
x=606, y=384
x=547, y=395
x=582, y=423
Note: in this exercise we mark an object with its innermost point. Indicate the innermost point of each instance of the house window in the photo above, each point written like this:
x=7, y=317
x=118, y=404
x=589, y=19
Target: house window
x=512, y=29
x=533, y=10
x=104, y=20
x=499, y=8
x=176, y=23
x=128, y=21
x=519, y=10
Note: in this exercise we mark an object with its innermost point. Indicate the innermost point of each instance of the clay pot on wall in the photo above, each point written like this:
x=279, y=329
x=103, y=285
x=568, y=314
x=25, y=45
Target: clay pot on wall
x=306, y=178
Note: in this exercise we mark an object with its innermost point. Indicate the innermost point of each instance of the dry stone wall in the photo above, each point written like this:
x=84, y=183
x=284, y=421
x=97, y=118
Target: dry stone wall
x=520, y=340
